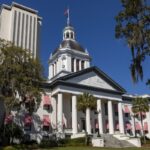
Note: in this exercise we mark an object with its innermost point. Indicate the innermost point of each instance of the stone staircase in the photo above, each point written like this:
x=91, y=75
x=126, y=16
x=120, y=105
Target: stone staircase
x=111, y=141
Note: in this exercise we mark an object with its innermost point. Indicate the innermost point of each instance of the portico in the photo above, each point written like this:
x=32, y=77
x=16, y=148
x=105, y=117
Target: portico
x=64, y=122
x=68, y=117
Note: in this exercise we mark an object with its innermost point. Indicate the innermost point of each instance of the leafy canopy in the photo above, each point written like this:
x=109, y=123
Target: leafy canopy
x=86, y=100
x=140, y=105
x=133, y=25
x=19, y=75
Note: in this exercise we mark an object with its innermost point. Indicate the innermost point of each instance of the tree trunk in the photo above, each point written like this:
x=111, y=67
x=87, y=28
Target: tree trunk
x=143, y=133
x=88, y=121
x=134, y=126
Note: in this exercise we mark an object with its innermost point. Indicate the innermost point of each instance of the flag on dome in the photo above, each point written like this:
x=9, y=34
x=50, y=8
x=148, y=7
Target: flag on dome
x=66, y=13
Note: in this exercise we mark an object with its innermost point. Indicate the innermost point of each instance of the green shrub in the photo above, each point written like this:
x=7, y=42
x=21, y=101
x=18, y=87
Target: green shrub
x=48, y=143
x=72, y=142
x=147, y=140
x=9, y=148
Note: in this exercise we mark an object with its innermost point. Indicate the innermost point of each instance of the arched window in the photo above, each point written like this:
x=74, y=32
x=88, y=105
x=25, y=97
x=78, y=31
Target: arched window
x=67, y=35
x=72, y=35
x=72, y=64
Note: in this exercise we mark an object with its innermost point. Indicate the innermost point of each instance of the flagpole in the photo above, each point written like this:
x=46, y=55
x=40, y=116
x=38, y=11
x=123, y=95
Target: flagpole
x=68, y=19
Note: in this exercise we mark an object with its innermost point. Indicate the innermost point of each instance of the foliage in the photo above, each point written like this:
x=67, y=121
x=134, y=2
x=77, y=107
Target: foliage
x=86, y=100
x=10, y=132
x=72, y=142
x=9, y=148
x=48, y=143
x=19, y=75
x=141, y=105
x=133, y=25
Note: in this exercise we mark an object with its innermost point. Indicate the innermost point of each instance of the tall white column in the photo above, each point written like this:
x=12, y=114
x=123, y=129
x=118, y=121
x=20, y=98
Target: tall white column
x=100, y=117
x=54, y=69
x=79, y=64
x=110, y=118
x=120, y=116
x=74, y=115
x=54, y=113
x=50, y=74
x=148, y=121
x=88, y=121
x=60, y=113
x=75, y=65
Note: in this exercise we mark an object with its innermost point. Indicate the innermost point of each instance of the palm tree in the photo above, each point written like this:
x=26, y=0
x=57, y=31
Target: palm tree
x=140, y=105
x=86, y=102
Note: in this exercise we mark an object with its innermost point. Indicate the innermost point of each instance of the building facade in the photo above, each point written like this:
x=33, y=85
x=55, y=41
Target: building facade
x=70, y=75
x=21, y=26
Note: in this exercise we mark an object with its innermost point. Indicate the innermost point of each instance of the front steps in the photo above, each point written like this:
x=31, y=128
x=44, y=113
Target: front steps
x=111, y=141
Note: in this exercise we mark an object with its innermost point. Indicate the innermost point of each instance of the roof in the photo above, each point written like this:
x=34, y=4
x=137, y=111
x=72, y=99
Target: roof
x=63, y=81
x=72, y=44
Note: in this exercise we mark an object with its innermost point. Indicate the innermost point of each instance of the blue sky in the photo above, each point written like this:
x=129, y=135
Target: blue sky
x=94, y=23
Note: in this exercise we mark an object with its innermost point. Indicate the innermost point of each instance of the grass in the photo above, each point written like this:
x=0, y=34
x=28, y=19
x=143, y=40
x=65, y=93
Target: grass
x=78, y=148
x=91, y=148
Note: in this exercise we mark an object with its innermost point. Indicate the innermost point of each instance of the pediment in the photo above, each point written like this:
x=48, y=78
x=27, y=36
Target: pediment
x=91, y=79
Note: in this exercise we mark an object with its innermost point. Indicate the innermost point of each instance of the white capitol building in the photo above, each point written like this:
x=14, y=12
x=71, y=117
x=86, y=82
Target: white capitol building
x=70, y=75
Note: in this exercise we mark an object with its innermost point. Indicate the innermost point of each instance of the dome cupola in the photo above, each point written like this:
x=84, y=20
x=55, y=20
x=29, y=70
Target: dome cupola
x=69, y=56
x=68, y=33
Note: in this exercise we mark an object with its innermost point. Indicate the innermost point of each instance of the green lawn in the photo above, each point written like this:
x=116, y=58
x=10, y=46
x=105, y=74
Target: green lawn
x=81, y=148
x=91, y=148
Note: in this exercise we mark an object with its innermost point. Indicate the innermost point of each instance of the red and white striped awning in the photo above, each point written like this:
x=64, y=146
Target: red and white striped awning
x=46, y=100
x=126, y=109
x=128, y=126
x=145, y=126
x=137, y=126
x=46, y=120
x=8, y=119
x=28, y=119
x=143, y=113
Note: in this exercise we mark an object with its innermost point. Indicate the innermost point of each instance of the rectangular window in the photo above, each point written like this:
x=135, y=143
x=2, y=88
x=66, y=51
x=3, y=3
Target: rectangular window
x=45, y=128
x=27, y=127
x=126, y=115
x=46, y=107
